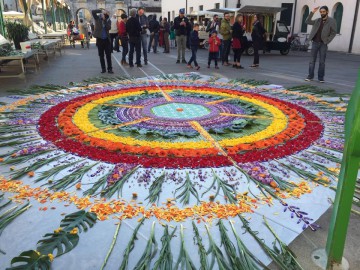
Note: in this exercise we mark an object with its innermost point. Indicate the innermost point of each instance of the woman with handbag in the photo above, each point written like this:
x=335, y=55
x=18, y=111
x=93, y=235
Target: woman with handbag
x=237, y=35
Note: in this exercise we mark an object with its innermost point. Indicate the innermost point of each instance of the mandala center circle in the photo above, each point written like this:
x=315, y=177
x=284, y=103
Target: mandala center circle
x=180, y=111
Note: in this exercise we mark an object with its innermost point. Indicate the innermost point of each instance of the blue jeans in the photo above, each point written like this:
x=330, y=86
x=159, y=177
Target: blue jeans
x=193, y=57
x=321, y=49
x=144, y=45
x=154, y=37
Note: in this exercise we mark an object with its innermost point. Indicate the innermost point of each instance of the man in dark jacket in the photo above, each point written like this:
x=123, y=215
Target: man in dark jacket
x=154, y=27
x=101, y=33
x=141, y=17
x=322, y=33
x=166, y=29
x=133, y=28
x=182, y=27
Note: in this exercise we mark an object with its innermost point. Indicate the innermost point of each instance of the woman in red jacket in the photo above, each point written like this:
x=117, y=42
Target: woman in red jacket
x=121, y=26
x=214, y=45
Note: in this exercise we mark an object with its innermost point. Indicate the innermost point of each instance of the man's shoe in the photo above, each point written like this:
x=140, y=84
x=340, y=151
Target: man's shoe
x=103, y=71
x=184, y=61
x=178, y=62
x=145, y=62
x=131, y=65
x=308, y=79
x=139, y=65
x=110, y=71
x=321, y=80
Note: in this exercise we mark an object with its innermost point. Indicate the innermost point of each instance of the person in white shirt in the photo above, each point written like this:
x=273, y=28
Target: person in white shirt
x=113, y=34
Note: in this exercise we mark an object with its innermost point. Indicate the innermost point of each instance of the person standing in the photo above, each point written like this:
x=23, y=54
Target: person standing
x=83, y=31
x=194, y=44
x=133, y=28
x=141, y=17
x=237, y=35
x=214, y=45
x=123, y=36
x=257, y=36
x=322, y=33
x=166, y=27
x=172, y=35
x=225, y=31
x=101, y=33
x=154, y=27
x=113, y=34
x=181, y=26
x=191, y=21
x=89, y=30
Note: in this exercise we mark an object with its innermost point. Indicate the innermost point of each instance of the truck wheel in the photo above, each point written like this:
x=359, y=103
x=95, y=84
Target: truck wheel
x=284, y=51
x=250, y=51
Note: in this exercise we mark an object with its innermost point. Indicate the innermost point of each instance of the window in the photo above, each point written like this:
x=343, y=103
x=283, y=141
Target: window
x=201, y=8
x=191, y=9
x=305, y=15
x=217, y=5
x=338, y=13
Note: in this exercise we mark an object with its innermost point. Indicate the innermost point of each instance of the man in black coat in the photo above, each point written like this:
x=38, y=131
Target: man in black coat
x=101, y=33
x=133, y=28
x=154, y=27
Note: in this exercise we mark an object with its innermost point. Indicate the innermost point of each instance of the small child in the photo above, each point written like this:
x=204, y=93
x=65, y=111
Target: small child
x=214, y=44
x=194, y=43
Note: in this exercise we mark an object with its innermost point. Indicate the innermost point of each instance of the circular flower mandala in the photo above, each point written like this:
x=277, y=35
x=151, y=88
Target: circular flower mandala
x=179, y=126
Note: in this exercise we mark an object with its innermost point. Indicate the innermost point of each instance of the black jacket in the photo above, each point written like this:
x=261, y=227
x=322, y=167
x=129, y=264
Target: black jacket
x=133, y=28
x=258, y=32
x=194, y=39
x=154, y=26
x=238, y=31
x=181, y=30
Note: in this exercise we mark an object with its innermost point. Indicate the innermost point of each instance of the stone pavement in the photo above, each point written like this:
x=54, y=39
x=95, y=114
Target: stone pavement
x=341, y=74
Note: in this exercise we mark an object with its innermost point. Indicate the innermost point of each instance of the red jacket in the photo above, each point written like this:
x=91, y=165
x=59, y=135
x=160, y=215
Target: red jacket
x=214, y=44
x=121, y=26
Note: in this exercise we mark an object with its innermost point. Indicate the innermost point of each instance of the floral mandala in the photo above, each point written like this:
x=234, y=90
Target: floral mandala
x=193, y=148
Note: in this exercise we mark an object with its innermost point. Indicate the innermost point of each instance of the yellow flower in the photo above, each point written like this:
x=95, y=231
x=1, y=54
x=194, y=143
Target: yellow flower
x=37, y=252
x=74, y=231
x=58, y=230
x=51, y=257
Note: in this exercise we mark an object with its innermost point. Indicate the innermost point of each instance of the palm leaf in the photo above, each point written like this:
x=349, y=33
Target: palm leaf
x=81, y=220
x=30, y=260
x=62, y=242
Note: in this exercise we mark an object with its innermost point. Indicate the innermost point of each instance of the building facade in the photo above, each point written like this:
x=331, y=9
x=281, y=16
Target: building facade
x=347, y=39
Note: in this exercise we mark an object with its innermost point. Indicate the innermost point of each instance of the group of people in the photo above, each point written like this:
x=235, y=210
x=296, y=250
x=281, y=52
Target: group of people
x=132, y=32
x=222, y=37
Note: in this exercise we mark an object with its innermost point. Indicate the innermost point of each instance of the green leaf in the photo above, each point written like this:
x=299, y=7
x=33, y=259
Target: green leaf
x=30, y=260
x=81, y=220
x=62, y=242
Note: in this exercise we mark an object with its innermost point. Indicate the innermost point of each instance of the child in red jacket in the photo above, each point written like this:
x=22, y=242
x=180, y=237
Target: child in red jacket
x=214, y=44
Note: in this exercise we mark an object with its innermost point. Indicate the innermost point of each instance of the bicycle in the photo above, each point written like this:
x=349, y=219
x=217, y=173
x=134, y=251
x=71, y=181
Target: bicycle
x=296, y=44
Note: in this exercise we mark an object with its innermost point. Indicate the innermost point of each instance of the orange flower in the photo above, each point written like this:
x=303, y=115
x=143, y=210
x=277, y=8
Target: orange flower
x=78, y=185
x=31, y=174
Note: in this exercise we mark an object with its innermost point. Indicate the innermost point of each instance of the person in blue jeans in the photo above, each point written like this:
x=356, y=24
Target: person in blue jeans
x=323, y=32
x=194, y=44
x=141, y=17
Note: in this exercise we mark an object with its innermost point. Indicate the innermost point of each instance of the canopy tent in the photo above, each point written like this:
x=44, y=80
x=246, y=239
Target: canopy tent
x=260, y=9
x=223, y=10
x=207, y=14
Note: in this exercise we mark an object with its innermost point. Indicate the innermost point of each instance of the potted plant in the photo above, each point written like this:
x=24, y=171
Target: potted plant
x=17, y=32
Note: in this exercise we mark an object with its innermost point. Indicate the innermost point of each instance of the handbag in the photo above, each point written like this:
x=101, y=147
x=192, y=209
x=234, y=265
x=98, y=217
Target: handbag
x=236, y=44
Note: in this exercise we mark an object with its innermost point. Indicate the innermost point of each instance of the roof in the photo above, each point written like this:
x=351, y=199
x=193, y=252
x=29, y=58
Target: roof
x=260, y=9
